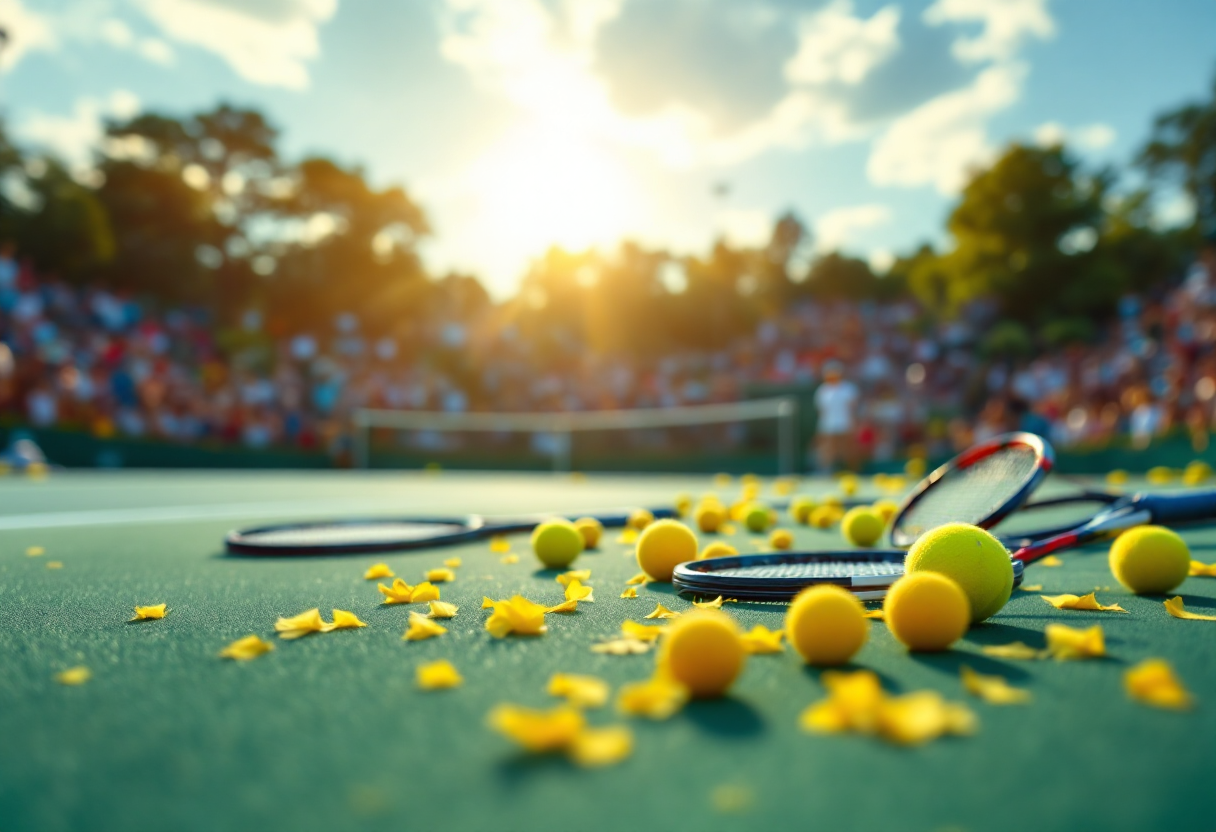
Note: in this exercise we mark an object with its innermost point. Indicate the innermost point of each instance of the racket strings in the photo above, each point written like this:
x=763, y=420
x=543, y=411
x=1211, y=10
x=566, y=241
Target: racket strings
x=349, y=534
x=812, y=570
x=972, y=494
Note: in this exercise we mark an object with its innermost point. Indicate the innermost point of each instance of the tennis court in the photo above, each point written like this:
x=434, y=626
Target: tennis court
x=330, y=732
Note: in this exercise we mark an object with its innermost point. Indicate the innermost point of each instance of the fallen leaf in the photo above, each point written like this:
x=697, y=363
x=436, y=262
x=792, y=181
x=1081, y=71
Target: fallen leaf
x=992, y=689
x=1080, y=602
x=1154, y=682
x=1175, y=607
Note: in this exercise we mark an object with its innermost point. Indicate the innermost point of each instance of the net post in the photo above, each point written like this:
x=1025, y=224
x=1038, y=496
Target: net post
x=787, y=418
x=362, y=439
x=563, y=436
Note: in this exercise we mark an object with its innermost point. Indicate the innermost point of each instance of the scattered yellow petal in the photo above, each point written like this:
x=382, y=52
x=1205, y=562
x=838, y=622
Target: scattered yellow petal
x=1080, y=602
x=856, y=702
x=993, y=689
x=509, y=559
x=438, y=675
x=761, y=639
x=638, y=579
x=1154, y=682
x=442, y=609
x=425, y=591
x=1174, y=607
x=579, y=691
x=642, y=632
x=244, y=649
x=1015, y=650
x=628, y=536
x=452, y=563
x=622, y=647
x=715, y=604
x=399, y=593
x=54, y=564
x=306, y=622
x=728, y=529
x=656, y=698
x=1031, y=588
x=538, y=731
x=378, y=570
x=344, y=620
x=1050, y=560
x=487, y=603
x=499, y=545
x=601, y=746
x=575, y=591
x=149, y=613
x=573, y=575
x=422, y=627
x=518, y=615
x=440, y=575
x=1203, y=570
x=661, y=611
x=630, y=592
x=877, y=614
x=569, y=605
x=74, y=676
x=35, y=552
x=1067, y=643
x=916, y=718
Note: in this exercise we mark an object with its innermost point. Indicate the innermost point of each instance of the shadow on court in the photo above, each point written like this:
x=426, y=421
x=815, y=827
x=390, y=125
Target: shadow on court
x=724, y=717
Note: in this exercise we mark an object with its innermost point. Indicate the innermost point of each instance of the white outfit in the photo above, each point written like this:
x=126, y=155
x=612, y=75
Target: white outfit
x=835, y=400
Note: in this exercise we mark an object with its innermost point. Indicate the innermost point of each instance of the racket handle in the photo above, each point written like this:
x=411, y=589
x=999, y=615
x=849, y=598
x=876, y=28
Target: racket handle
x=1189, y=507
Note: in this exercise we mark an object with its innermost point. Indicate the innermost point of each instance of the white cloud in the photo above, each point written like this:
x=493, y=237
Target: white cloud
x=941, y=140
x=156, y=51
x=28, y=32
x=834, y=45
x=73, y=138
x=744, y=227
x=881, y=260
x=838, y=227
x=1091, y=137
x=1007, y=24
x=267, y=43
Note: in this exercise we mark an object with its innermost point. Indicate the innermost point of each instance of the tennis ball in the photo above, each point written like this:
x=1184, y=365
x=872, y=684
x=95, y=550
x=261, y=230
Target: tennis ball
x=861, y=526
x=801, y=508
x=826, y=624
x=915, y=467
x=849, y=484
x=781, y=539
x=834, y=500
x=663, y=546
x=717, y=549
x=927, y=611
x=709, y=517
x=973, y=558
x=1150, y=560
x=640, y=519
x=751, y=490
x=557, y=543
x=886, y=509
x=1196, y=472
x=591, y=530
x=757, y=518
x=824, y=517
x=683, y=504
x=1160, y=475
x=1117, y=477
x=702, y=651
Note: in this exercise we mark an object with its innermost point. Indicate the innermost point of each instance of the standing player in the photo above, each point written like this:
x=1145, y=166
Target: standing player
x=836, y=401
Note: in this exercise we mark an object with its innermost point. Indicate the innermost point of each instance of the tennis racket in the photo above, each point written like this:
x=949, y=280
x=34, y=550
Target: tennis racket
x=366, y=536
x=982, y=486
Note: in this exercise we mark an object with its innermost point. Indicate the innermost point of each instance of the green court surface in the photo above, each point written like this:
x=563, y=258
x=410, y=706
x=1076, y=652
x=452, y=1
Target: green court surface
x=329, y=732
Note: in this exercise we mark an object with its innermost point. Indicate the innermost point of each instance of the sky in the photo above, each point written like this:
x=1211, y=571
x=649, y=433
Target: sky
x=520, y=124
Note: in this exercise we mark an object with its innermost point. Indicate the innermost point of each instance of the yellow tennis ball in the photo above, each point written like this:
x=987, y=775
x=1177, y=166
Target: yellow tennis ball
x=683, y=504
x=757, y=518
x=927, y=611
x=781, y=539
x=722, y=480
x=826, y=624
x=834, y=500
x=663, y=546
x=751, y=490
x=1160, y=474
x=1196, y=472
x=717, y=549
x=849, y=484
x=591, y=530
x=886, y=509
x=557, y=543
x=1150, y=560
x=973, y=558
x=801, y=508
x=915, y=467
x=702, y=651
x=1117, y=477
x=824, y=517
x=709, y=517
x=862, y=526
x=640, y=519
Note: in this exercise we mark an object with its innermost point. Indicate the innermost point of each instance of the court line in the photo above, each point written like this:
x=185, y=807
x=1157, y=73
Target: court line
x=177, y=514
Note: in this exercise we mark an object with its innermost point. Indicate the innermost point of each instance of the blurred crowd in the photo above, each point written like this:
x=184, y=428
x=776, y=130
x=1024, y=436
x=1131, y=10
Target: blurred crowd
x=88, y=359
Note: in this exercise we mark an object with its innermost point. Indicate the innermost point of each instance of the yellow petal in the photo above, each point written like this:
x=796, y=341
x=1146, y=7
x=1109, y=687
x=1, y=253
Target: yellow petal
x=35, y=552
x=1067, y=643
x=622, y=647
x=487, y=603
x=642, y=632
x=499, y=544
x=442, y=609
x=630, y=592
x=518, y=615
x=1015, y=650
x=993, y=689
x=655, y=698
x=422, y=627
x=728, y=529
x=1174, y=607
x=74, y=676
x=1050, y=560
x=425, y=591
x=760, y=639
x=54, y=564
x=715, y=604
x=438, y=675
x=1031, y=588
x=440, y=575
x=628, y=536
x=1080, y=602
x=538, y=731
x=661, y=611
x=856, y=697
x=918, y=717
x=575, y=591
x=509, y=559
x=594, y=747
x=378, y=570
x=877, y=614
x=306, y=622
x=247, y=648
x=638, y=579
x=452, y=563
x=1206, y=570
x=149, y=613
x=570, y=605
x=1154, y=682
x=399, y=593
x=579, y=691
x=574, y=575
x=344, y=620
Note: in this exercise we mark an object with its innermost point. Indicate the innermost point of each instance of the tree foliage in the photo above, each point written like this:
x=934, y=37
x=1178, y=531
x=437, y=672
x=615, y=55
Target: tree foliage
x=1183, y=148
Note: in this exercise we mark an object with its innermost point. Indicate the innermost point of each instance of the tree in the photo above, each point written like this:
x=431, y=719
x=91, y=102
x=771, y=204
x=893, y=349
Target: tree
x=1183, y=148
x=835, y=276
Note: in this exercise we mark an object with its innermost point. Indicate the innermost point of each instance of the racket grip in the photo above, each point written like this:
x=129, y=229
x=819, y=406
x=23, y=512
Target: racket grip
x=1189, y=507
